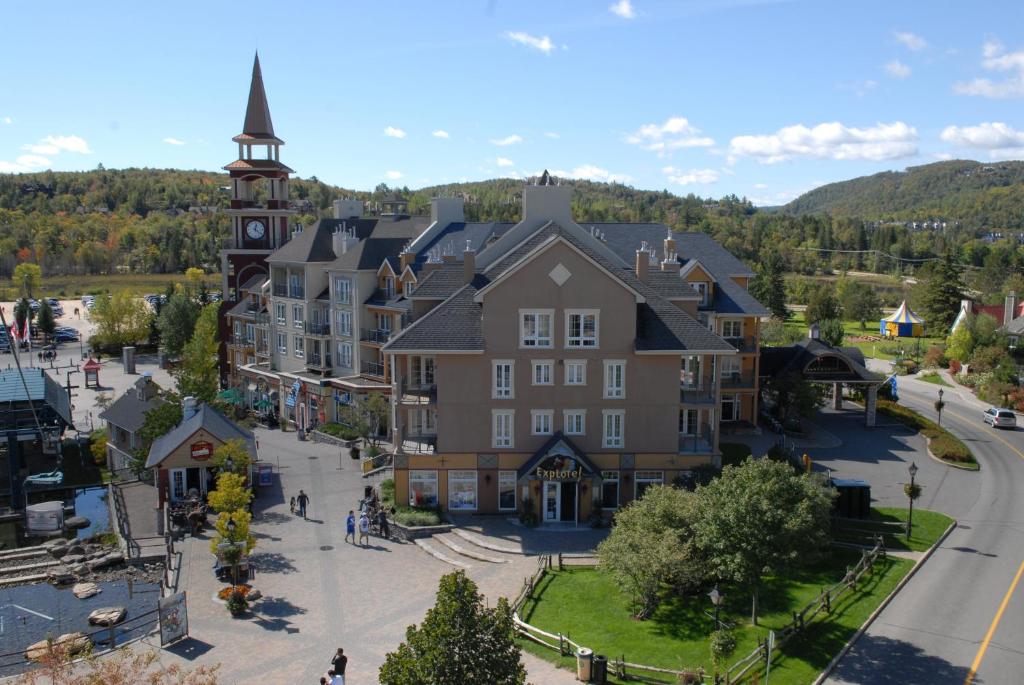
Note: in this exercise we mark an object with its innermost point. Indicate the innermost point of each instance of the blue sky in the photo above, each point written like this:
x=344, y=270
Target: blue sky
x=761, y=99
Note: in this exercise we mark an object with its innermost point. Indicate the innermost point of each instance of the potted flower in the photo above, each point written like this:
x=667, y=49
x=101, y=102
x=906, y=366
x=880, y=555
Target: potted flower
x=236, y=602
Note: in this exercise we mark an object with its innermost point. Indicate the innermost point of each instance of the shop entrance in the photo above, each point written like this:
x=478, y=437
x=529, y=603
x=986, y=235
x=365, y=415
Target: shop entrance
x=560, y=501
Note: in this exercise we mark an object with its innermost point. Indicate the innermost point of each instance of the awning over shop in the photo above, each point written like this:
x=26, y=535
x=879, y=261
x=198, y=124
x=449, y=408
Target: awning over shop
x=232, y=395
x=558, y=459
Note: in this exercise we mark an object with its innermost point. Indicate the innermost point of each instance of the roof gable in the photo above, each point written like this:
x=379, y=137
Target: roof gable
x=694, y=267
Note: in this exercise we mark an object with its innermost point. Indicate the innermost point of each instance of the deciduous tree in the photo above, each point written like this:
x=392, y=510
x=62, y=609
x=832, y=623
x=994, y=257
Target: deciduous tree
x=198, y=375
x=27, y=278
x=177, y=322
x=121, y=319
x=230, y=494
x=822, y=305
x=769, y=285
x=44, y=318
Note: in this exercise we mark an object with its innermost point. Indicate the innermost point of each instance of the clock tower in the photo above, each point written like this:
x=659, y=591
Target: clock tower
x=260, y=210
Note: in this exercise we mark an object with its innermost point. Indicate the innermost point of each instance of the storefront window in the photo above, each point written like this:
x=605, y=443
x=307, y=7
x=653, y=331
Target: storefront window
x=645, y=479
x=461, y=490
x=507, y=490
x=610, y=489
x=423, y=488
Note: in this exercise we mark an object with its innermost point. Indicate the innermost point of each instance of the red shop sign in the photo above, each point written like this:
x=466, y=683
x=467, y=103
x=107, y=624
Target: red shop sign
x=201, y=451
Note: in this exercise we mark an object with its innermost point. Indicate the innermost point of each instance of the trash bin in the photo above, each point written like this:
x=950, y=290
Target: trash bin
x=584, y=661
x=599, y=670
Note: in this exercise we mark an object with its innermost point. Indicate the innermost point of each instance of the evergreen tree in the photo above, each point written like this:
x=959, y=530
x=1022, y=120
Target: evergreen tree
x=769, y=286
x=177, y=322
x=44, y=318
x=198, y=375
x=460, y=642
x=940, y=292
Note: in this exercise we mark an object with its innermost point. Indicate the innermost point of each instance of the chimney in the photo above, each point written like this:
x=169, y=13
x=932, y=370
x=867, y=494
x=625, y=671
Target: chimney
x=405, y=259
x=446, y=210
x=547, y=202
x=448, y=258
x=813, y=333
x=642, y=263
x=342, y=239
x=670, y=244
x=348, y=209
x=468, y=264
x=1010, y=310
x=189, y=408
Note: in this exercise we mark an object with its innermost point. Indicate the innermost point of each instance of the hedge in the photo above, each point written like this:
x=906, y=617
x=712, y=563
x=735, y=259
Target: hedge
x=417, y=516
x=941, y=442
x=339, y=431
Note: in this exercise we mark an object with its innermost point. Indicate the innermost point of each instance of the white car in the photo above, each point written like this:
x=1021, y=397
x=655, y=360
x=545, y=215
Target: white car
x=1000, y=418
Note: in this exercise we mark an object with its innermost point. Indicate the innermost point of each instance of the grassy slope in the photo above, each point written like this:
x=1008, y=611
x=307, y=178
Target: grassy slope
x=870, y=349
x=588, y=605
x=928, y=526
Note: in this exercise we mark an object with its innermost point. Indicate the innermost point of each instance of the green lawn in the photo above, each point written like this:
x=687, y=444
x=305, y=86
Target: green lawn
x=586, y=604
x=880, y=349
x=733, y=453
x=72, y=287
x=928, y=526
x=933, y=378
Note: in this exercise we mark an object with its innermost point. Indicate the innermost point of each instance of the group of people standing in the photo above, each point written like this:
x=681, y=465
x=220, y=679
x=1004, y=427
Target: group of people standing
x=336, y=674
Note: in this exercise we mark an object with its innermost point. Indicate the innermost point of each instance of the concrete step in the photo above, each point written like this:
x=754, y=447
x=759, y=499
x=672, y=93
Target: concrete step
x=452, y=543
x=483, y=542
x=438, y=554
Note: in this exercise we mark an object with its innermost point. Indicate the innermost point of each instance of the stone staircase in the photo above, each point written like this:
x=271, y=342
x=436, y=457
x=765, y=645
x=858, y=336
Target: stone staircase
x=465, y=549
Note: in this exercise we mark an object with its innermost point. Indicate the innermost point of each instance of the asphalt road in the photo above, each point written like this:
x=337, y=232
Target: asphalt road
x=957, y=621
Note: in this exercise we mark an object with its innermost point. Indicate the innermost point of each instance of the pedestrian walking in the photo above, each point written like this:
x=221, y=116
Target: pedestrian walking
x=292, y=504
x=302, y=500
x=382, y=521
x=350, y=526
x=364, y=529
x=339, y=662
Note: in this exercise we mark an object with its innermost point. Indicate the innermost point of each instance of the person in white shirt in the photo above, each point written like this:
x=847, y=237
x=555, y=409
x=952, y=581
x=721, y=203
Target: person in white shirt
x=364, y=529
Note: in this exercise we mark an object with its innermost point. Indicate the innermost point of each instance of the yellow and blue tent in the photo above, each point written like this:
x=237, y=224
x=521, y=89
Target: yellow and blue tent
x=903, y=323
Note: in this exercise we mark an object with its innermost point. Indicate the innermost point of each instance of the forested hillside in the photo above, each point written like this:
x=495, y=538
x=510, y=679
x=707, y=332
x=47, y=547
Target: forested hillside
x=977, y=195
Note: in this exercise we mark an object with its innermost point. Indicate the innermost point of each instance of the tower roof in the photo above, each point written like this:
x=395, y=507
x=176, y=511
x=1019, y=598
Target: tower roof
x=258, y=125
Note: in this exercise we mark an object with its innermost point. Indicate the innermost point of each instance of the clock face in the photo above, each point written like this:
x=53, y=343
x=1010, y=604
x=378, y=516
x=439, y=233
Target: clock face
x=255, y=229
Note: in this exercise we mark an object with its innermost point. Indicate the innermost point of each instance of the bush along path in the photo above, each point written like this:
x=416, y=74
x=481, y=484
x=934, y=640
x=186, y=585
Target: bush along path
x=942, y=444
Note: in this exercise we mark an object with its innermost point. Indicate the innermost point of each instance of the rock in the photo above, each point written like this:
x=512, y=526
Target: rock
x=58, y=552
x=105, y=561
x=56, y=542
x=254, y=595
x=107, y=616
x=73, y=643
x=78, y=569
x=76, y=522
x=60, y=575
x=72, y=559
x=76, y=549
x=86, y=590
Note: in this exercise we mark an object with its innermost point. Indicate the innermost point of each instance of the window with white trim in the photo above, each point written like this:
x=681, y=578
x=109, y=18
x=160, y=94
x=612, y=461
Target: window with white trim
x=282, y=343
x=343, y=318
x=502, y=379
x=297, y=315
x=581, y=328
x=342, y=290
x=535, y=329
x=688, y=421
x=609, y=489
x=503, y=421
x=702, y=290
x=250, y=333
x=645, y=479
x=541, y=421
x=614, y=378
x=729, y=366
x=575, y=371
x=298, y=346
x=506, y=490
x=732, y=328
x=614, y=427
x=542, y=371
x=730, y=408
x=345, y=355
x=281, y=313
x=574, y=421
x=389, y=288
x=238, y=329
x=462, y=490
x=422, y=488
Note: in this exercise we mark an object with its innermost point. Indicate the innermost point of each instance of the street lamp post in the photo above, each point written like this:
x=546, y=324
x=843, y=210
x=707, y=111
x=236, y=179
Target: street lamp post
x=716, y=598
x=939, y=404
x=910, y=495
x=234, y=552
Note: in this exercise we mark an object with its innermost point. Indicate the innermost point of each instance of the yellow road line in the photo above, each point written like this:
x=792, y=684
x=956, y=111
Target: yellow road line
x=992, y=628
x=995, y=431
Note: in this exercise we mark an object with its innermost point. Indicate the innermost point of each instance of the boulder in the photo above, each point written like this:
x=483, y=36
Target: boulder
x=58, y=552
x=56, y=542
x=76, y=522
x=73, y=643
x=107, y=616
x=105, y=561
x=60, y=575
x=78, y=569
x=72, y=559
x=86, y=590
x=77, y=549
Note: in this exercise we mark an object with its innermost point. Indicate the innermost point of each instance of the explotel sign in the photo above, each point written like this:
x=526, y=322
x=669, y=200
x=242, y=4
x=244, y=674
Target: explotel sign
x=559, y=468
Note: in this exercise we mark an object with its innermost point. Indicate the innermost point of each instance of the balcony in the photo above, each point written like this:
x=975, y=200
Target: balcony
x=738, y=379
x=319, y=362
x=262, y=318
x=280, y=290
x=417, y=395
x=373, y=369
x=322, y=329
x=296, y=292
x=375, y=336
x=414, y=442
x=263, y=350
x=692, y=393
x=745, y=345
x=239, y=340
x=700, y=442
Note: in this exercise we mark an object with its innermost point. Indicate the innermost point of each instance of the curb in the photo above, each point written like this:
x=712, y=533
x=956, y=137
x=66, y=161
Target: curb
x=878, y=610
x=928, y=449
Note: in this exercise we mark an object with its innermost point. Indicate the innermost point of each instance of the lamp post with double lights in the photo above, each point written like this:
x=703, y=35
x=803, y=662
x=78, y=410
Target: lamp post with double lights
x=939, y=404
x=716, y=598
x=912, y=491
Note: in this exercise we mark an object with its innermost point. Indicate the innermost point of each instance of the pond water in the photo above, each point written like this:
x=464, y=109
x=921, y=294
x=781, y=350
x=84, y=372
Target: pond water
x=30, y=613
x=89, y=502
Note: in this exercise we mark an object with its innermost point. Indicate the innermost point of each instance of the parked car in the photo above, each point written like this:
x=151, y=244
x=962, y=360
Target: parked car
x=1000, y=418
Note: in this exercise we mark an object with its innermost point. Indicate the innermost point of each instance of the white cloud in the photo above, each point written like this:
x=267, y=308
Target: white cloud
x=505, y=162
x=542, y=43
x=174, y=141
x=393, y=175
x=677, y=132
x=623, y=8
x=760, y=186
x=942, y=156
x=897, y=69
x=508, y=140
x=685, y=178
x=910, y=40
x=830, y=140
x=552, y=135
x=52, y=145
x=24, y=163
x=998, y=139
x=996, y=58
x=590, y=172
x=392, y=132
x=8, y=120
x=440, y=133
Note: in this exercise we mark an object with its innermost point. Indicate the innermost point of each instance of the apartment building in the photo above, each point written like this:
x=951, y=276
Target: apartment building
x=565, y=367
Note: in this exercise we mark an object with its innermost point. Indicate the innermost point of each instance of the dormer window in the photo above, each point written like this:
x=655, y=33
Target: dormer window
x=702, y=290
x=389, y=286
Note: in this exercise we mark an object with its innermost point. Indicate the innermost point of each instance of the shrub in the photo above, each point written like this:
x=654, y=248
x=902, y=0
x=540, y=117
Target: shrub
x=339, y=431
x=934, y=358
x=98, y=446
x=417, y=516
x=528, y=514
x=996, y=392
x=387, y=492
x=723, y=644
x=955, y=366
x=942, y=443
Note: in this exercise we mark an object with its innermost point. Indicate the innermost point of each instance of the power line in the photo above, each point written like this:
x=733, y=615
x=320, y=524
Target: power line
x=884, y=254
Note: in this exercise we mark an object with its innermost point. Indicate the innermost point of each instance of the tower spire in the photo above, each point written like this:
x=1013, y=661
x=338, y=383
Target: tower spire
x=257, y=113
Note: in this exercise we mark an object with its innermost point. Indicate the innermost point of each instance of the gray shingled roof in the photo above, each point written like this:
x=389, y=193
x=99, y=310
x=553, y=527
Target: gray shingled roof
x=1015, y=327
x=795, y=358
x=453, y=325
x=454, y=236
x=41, y=388
x=313, y=244
x=625, y=239
x=440, y=283
x=368, y=254
x=206, y=418
x=128, y=411
x=669, y=285
x=731, y=298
